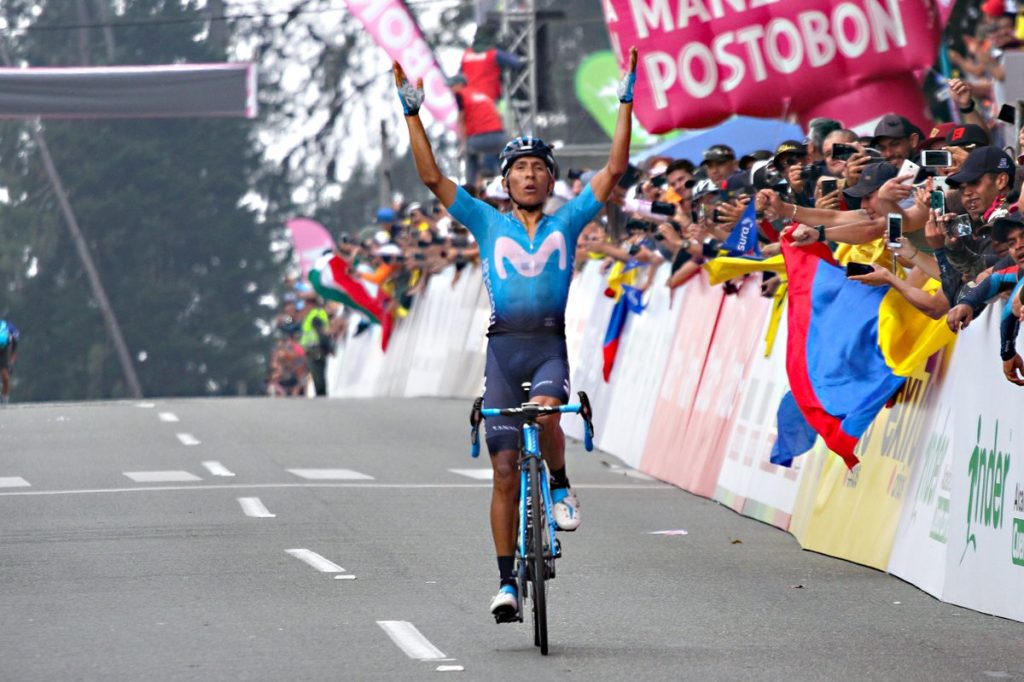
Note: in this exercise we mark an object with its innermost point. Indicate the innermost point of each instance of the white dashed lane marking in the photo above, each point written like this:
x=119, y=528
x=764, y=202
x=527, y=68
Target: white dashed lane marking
x=13, y=482
x=161, y=476
x=252, y=506
x=316, y=561
x=330, y=475
x=145, y=406
x=217, y=469
x=411, y=641
x=168, y=417
x=187, y=439
x=479, y=474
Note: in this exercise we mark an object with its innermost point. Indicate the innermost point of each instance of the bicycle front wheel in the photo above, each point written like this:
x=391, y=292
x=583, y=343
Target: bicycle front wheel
x=537, y=554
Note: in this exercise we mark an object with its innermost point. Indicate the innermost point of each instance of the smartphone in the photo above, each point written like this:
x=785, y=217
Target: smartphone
x=856, y=269
x=909, y=168
x=939, y=182
x=828, y=185
x=1007, y=114
x=936, y=158
x=842, y=152
x=937, y=201
x=895, y=230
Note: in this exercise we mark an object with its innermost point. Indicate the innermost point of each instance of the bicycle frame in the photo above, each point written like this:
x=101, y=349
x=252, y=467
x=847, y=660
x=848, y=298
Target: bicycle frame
x=531, y=448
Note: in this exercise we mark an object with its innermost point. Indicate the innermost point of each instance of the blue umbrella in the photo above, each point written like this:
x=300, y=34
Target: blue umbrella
x=743, y=133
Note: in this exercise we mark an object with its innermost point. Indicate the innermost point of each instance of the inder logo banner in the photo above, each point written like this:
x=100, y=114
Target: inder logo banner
x=704, y=60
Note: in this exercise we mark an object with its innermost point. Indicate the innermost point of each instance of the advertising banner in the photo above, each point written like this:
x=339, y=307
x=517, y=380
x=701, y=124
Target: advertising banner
x=748, y=482
x=716, y=403
x=638, y=370
x=666, y=452
x=153, y=91
x=703, y=60
x=920, y=546
x=395, y=30
x=985, y=534
x=853, y=514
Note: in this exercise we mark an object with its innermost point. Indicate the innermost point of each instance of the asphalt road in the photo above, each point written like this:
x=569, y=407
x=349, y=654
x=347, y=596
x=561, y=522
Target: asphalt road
x=265, y=565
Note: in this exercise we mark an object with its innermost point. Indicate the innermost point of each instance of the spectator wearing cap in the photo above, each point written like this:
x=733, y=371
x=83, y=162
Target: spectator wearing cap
x=747, y=161
x=984, y=183
x=937, y=136
x=720, y=163
x=1008, y=229
x=896, y=138
x=481, y=132
x=790, y=159
x=961, y=140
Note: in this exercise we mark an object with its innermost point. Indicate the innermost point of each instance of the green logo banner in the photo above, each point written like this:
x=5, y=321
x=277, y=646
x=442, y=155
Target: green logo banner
x=597, y=79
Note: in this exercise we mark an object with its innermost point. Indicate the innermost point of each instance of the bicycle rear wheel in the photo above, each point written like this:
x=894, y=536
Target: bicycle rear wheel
x=537, y=558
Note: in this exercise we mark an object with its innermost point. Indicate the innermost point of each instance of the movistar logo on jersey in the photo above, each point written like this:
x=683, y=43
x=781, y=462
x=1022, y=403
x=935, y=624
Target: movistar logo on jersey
x=529, y=264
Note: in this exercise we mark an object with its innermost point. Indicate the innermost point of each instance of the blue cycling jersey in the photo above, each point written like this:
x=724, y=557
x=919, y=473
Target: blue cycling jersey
x=527, y=280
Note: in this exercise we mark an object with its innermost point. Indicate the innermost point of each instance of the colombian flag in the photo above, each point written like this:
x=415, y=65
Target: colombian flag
x=631, y=301
x=850, y=348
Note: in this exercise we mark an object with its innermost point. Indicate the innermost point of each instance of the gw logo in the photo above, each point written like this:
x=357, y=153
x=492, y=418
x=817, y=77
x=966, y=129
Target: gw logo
x=988, y=470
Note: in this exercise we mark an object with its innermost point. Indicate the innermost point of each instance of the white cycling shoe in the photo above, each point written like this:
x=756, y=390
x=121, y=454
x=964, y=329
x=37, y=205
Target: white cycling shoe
x=565, y=508
x=505, y=604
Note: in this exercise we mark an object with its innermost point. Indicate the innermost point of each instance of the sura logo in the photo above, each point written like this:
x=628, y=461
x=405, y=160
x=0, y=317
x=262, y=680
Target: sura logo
x=988, y=470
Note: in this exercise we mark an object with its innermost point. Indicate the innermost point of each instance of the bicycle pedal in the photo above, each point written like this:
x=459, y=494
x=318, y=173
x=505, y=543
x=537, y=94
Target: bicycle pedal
x=558, y=549
x=507, y=617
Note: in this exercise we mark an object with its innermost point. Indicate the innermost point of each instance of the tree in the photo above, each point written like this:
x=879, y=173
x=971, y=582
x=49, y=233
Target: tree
x=163, y=204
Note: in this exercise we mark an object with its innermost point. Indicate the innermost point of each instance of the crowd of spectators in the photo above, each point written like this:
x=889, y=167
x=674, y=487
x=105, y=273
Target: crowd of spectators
x=961, y=240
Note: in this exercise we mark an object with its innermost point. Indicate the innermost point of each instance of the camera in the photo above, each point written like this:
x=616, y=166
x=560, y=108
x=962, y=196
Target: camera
x=842, y=152
x=653, y=209
x=810, y=173
x=960, y=226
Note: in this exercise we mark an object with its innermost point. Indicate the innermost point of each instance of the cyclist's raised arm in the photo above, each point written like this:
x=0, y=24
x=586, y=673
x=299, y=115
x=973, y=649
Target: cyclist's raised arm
x=604, y=182
x=411, y=97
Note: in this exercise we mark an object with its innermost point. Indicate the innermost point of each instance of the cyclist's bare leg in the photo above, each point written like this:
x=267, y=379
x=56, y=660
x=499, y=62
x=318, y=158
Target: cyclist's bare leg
x=505, y=501
x=552, y=439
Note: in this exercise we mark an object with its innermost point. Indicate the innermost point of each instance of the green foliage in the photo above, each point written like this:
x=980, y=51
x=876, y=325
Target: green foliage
x=183, y=261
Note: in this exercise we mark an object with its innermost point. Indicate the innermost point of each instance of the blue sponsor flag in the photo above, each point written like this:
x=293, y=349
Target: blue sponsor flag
x=743, y=238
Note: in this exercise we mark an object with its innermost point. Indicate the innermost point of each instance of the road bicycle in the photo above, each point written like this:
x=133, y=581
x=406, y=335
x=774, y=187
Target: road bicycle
x=536, y=546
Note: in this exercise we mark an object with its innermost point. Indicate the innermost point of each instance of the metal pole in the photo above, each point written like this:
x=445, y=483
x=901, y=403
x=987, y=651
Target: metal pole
x=109, y=319
x=385, y=167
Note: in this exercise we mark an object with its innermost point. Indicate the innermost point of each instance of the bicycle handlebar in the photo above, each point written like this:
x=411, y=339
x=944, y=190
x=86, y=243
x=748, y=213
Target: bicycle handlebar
x=530, y=411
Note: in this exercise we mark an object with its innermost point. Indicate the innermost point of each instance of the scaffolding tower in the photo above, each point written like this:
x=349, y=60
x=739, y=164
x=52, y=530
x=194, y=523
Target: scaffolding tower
x=519, y=36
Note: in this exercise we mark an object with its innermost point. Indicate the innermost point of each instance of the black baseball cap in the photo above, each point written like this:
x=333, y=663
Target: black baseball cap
x=874, y=176
x=895, y=126
x=967, y=135
x=1002, y=225
x=789, y=148
x=981, y=161
x=719, y=152
x=748, y=160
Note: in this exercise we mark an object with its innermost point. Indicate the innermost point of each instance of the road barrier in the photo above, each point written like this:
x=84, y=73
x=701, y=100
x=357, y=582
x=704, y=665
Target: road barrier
x=938, y=498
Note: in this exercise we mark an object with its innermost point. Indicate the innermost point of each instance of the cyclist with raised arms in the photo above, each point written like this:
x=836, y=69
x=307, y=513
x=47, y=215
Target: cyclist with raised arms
x=527, y=261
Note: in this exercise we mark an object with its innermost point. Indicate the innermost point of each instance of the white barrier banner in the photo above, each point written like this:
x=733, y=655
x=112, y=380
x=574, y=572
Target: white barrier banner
x=985, y=548
x=748, y=482
x=638, y=371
